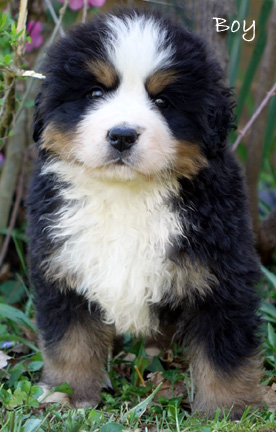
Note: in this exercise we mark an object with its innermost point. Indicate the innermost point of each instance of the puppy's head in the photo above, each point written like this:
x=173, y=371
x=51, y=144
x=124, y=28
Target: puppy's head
x=131, y=94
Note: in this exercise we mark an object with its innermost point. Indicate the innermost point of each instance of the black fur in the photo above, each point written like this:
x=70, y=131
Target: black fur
x=224, y=322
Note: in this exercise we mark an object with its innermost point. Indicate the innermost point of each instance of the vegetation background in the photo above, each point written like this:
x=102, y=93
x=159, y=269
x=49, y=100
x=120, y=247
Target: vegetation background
x=134, y=398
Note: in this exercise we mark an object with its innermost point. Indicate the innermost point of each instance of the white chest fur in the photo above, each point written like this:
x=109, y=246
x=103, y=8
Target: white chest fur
x=114, y=242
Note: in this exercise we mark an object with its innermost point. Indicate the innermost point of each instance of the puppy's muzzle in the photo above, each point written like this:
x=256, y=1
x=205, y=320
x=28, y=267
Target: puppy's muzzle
x=122, y=138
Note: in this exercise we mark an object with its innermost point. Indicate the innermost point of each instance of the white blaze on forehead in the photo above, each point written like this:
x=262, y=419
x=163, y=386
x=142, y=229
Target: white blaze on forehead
x=136, y=45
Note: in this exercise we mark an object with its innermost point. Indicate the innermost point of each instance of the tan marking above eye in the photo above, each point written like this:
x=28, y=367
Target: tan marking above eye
x=157, y=82
x=103, y=71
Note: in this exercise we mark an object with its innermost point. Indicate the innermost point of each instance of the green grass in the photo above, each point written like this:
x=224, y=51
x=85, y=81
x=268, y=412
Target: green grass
x=126, y=405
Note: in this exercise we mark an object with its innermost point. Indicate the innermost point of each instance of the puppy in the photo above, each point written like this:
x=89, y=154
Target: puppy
x=138, y=220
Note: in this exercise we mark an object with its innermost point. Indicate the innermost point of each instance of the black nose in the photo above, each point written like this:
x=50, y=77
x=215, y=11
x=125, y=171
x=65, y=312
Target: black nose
x=122, y=138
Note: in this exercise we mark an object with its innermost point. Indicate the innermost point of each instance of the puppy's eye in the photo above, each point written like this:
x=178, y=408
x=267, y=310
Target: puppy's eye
x=96, y=93
x=161, y=102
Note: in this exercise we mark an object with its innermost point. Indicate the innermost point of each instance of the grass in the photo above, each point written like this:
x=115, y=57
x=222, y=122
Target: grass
x=128, y=406
x=160, y=403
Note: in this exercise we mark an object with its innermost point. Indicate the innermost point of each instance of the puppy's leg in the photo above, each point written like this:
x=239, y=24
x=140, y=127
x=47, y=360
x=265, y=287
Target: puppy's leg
x=234, y=388
x=75, y=345
x=223, y=351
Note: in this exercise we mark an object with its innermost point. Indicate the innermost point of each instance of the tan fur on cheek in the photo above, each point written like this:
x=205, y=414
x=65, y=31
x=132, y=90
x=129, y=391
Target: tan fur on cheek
x=189, y=159
x=60, y=142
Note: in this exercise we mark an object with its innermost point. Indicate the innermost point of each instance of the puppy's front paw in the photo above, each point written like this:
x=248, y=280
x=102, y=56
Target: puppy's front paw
x=75, y=400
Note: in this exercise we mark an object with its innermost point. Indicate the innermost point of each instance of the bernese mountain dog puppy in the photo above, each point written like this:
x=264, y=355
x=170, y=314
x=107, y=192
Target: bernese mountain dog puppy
x=138, y=220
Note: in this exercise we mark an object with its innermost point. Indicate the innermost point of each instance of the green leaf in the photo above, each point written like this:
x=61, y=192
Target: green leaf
x=139, y=409
x=141, y=363
x=35, y=366
x=15, y=373
x=16, y=315
x=271, y=336
x=25, y=385
x=7, y=59
x=20, y=253
x=272, y=172
x=36, y=391
x=155, y=365
x=63, y=388
x=4, y=18
x=16, y=233
x=13, y=29
x=9, y=337
x=269, y=311
x=112, y=427
x=32, y=425
x=94, y=416
x=269, y=275
x=11, y=291
x=19, y=33
x=18, y=398
x=173, y=375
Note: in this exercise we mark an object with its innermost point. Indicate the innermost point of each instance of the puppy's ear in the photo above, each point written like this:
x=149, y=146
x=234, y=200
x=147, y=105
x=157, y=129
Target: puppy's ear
x=38, y=117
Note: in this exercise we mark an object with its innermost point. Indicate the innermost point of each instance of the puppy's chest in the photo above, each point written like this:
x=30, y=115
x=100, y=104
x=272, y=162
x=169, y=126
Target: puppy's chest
x=114, y=247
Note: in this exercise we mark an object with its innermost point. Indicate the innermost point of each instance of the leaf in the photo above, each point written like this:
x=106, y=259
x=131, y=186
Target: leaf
x=139, y=409
x=9, y=337
x=3, y=20
x=16, y=233
x=94, y=416
x=18, y=398
x=269, y=311
x=269, y=275
x=15, y=373
x=20, y=253
x=271, y=336
x=8, y=59
x=35, y=366
x=13, y=29
x=63, y=388
x=36, y=391
x=11, y=291
x=16, y=315
x=112, y=427
x=32, y=425
x=4, y=358
x=155, y=365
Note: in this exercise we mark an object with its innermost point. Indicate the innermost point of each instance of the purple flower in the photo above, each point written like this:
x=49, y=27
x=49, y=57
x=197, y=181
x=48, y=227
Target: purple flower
x=6, y=344
x=78, y=4
x=34, y=29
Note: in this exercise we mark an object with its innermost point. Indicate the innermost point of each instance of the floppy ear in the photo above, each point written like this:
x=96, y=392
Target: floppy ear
x=38, y=117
